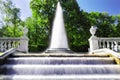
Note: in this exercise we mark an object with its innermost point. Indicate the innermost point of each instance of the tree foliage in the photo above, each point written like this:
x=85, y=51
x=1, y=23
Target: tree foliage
x=104, y=22
x=10, y=19
x=77, y=23
x=117, y=30
x=43, y=14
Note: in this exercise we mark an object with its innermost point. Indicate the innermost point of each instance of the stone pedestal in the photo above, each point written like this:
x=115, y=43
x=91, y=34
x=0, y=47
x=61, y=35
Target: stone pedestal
x=24, y=41
x=93, y=42
x=23, y=45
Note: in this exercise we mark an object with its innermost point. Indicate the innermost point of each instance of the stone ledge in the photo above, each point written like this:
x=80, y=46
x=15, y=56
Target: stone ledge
x=18, y=54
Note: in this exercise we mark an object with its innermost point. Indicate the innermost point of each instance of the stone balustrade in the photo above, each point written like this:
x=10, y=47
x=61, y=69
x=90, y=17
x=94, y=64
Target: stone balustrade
x=8, y=43
x=110, y=43
x=101, y=43
x=20, y=44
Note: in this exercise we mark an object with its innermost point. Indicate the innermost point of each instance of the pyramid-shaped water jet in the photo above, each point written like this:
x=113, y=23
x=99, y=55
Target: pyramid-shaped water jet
x=36, y=66
x=59, y=42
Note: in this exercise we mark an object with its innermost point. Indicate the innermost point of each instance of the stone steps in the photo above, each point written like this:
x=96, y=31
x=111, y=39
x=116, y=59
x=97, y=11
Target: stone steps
x=59, y=69
x=61, y=77
x=60, y=60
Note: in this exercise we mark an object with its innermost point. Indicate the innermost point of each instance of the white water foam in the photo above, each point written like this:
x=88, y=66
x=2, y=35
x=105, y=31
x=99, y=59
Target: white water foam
x=58, y=38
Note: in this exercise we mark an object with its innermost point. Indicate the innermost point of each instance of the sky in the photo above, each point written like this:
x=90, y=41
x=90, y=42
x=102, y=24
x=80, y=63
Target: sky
x=110, y=6
x=24, y=8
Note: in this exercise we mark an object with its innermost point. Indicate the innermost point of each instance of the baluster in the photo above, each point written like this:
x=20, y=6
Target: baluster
x=9, y=44
x=18, y=44
x=108, y=44
x=112, y=45
x=2, y=46
x=14, y=44
x=99, y=44
x=116, y=46
x=5, y=45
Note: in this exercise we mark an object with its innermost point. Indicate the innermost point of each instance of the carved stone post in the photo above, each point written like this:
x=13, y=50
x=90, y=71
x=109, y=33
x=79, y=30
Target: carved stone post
x=24, y=41
x=93, y=40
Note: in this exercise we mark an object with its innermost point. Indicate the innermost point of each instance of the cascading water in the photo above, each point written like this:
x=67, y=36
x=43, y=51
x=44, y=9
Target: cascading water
x=60, y=68
x=59, y=42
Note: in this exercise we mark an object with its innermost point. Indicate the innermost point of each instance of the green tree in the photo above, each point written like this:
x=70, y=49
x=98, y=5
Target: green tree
x=77, y=23
x=43, y=12
x=11, y=18
x=117, y=26
x=36, y=39
x=104, y=22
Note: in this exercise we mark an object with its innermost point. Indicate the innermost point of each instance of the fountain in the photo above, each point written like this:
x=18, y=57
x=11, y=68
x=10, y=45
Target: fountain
x=59, y=42
x=60, y=67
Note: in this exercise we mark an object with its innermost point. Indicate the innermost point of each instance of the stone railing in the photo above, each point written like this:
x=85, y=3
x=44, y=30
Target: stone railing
x=20, y=44
x=8, y=43
x=100, y=43
x=110, y=43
